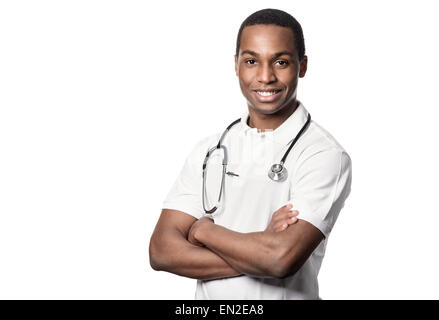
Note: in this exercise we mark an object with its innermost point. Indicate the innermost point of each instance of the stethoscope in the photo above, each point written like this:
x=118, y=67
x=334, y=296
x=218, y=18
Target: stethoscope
x=277, y=172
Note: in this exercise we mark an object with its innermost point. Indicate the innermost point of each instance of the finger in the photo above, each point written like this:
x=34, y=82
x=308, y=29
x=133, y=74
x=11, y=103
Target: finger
x=293, y=213
x=281, y=227
x=287, y=204
x=284, y=223
x=281, y=215
x=284, y=208
x=282, y=211
x=274, y=226
x=293, y=217
x=292, y=220
x=285, y=215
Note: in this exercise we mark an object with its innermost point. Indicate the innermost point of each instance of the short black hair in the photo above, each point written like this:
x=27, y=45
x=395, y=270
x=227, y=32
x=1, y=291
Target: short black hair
x=278, y=18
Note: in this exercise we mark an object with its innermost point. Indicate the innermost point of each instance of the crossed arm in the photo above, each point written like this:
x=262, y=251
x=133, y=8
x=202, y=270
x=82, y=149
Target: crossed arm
x=170, y=250
x=263, y=254
x=201, y=249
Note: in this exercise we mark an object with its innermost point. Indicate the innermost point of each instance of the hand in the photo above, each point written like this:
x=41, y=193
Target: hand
x=282, y=218
x=195, y=227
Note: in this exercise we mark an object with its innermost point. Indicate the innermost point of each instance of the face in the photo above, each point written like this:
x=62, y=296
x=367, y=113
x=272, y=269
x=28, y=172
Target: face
x=268, y=68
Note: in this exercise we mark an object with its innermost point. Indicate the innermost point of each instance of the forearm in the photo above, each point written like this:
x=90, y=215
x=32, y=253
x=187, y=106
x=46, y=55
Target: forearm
x=178, y=256
x=250, y=253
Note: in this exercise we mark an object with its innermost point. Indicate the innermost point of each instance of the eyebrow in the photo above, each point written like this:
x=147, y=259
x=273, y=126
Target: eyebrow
x=277, y=54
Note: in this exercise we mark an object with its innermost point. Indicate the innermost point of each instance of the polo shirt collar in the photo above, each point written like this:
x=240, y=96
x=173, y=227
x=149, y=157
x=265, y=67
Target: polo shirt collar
x=287, y=131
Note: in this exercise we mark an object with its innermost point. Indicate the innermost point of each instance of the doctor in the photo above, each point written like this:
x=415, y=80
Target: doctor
x=267, y=238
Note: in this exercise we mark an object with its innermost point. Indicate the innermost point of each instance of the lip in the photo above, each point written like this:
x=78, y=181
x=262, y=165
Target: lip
x=271, y=98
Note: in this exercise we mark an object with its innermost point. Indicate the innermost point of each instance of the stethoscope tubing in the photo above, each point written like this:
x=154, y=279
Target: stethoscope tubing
x=277, y=172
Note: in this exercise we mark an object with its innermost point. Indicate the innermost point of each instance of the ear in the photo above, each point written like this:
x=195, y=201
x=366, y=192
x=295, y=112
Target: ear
x=303, y=67
x=236, y=65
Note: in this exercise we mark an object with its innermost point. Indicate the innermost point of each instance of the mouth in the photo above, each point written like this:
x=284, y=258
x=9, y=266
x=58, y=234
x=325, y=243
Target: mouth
x=267, y=95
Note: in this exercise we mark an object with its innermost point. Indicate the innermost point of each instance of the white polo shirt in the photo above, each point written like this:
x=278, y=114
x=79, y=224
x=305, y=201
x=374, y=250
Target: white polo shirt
x=319, y=180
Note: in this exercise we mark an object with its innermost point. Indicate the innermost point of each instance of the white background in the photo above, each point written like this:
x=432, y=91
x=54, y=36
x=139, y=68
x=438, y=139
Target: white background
x=101, y=101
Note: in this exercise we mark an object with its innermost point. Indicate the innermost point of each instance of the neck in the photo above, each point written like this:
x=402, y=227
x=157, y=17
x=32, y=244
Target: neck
x=270, y=121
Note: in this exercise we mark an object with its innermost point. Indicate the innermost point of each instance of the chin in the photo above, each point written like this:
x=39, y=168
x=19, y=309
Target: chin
x=265, y=109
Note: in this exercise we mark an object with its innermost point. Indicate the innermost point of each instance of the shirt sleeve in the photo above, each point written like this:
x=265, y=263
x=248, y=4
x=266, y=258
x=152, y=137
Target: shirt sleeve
x=185, y=194
x=320, y=186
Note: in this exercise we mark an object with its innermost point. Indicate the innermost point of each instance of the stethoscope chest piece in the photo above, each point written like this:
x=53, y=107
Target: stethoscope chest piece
x=278, y=172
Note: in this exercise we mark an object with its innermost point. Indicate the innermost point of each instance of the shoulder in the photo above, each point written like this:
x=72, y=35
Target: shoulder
x=320, y=139
x=200, y=148
x=321, y=149
x=211, y=140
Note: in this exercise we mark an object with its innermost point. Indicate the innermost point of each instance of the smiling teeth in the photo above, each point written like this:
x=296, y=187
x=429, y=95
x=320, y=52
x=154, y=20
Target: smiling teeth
x=266, y=93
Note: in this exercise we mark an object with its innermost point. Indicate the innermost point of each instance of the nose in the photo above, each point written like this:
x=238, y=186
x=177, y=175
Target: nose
x=266, y=74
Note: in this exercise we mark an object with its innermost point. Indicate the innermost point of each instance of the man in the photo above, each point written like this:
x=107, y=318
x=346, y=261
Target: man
x=256, y=247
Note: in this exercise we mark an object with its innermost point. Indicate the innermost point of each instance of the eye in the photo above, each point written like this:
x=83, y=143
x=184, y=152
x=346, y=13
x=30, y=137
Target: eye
x=282, y=63
x=250, y=61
